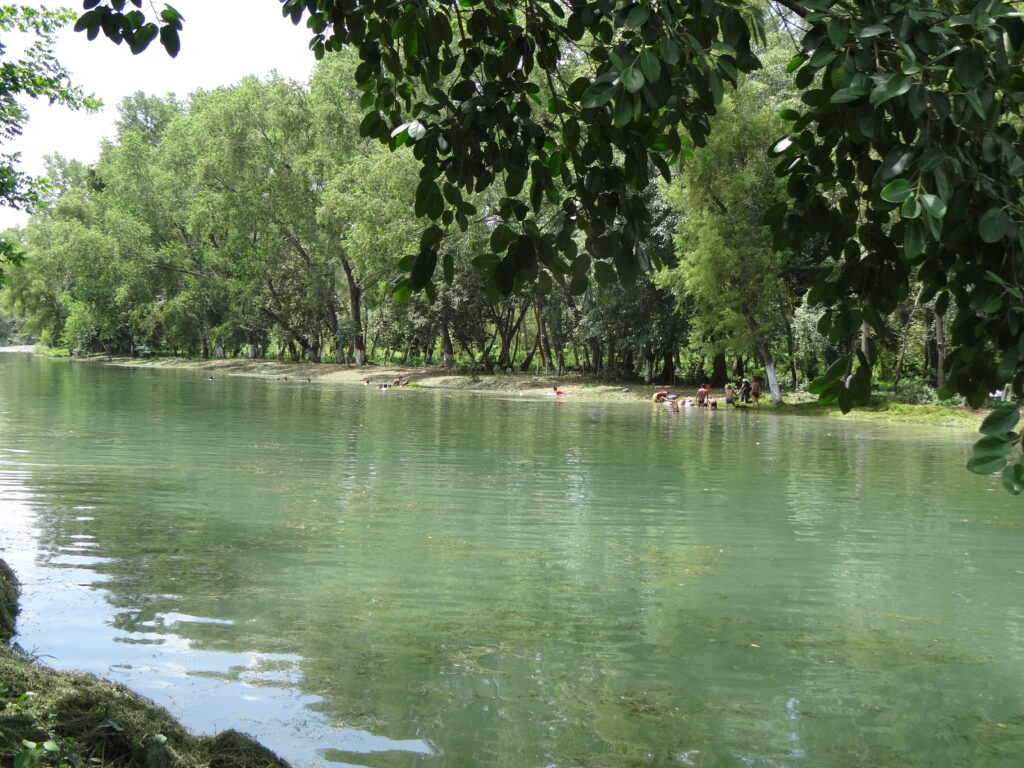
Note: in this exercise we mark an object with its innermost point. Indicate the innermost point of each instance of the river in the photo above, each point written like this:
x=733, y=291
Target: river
x=422, y=578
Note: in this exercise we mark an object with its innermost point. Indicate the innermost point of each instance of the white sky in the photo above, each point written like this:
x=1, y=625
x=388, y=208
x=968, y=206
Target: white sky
x=223, y=41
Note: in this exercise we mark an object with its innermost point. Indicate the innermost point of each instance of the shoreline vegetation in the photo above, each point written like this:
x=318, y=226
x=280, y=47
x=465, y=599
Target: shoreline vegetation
x=54, y=718
x=579, y=386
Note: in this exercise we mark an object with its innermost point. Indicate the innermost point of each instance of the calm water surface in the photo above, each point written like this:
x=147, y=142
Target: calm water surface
x=428, y=579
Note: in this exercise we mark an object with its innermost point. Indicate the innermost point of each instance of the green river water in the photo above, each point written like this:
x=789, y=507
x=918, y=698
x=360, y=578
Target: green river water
x=421, y=578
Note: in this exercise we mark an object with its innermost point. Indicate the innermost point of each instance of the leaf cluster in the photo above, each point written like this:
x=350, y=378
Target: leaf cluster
x=1001, y=448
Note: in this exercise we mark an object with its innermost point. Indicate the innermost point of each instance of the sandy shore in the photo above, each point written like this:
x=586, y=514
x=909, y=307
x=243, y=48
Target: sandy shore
x=578, y=386
x=331, y=374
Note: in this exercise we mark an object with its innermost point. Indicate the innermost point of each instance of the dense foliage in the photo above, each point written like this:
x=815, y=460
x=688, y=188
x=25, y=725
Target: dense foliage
x=255, y=220
x=32, y=71
x=904, y=158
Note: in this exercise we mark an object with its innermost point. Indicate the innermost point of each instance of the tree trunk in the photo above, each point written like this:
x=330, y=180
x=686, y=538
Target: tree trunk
x=355, y=304
x=543, y=343
x=697, y=373
x=251, y=351
x=940, y=350
x=737, y=367
x=668, y=371
x=486, y=362
x=718, y=372
x=790, y=344
x=508, y=335
x=648, y=366
x=528, y=360
x=447, y=351
x=761, y=347
x=773, y=379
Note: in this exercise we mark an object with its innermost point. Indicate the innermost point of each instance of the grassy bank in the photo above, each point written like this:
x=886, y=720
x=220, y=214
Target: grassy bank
x=72, y=720
x=581, y=387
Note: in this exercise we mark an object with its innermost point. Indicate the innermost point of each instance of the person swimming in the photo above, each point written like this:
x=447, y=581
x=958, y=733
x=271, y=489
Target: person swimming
x=558, y=391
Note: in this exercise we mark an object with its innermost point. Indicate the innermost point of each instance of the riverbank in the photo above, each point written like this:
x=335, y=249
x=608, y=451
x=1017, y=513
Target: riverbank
x=579, y=387
x=51, y=718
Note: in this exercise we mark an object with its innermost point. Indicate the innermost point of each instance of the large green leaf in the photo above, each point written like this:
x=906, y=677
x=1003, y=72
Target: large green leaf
x=969, y=66
x=1001, y=420
x=633, y=79
x=986, y=465
x=423, y=269
x=888, y=87
x=993, y=446
x=651, y=65
x=994, y=225
x=1013, y=478
x=638, y=16
x=897, y=191
x=597, y=95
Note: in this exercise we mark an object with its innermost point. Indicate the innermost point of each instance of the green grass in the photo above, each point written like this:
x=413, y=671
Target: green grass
x=889, y=410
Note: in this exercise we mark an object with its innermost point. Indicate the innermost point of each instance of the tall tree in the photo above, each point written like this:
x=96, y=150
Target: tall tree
x=728, y=263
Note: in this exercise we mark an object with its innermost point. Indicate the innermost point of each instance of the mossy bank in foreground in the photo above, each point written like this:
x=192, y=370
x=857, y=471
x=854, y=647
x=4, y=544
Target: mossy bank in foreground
x=51, y=718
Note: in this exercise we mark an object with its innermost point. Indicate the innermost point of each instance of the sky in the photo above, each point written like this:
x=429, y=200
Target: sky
x=222, y=42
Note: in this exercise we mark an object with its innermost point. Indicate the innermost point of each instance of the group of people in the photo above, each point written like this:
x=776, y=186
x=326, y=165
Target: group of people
x=385, y=386
x=749, y=391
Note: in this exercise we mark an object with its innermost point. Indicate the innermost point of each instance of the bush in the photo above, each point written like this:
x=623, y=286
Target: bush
x=8, y=601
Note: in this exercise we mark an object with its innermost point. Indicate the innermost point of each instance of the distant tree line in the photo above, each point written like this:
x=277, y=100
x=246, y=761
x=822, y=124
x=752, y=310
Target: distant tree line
x=257, y=221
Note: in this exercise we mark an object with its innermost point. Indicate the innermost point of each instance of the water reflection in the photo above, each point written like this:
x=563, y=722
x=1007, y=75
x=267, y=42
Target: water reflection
x=432, y=579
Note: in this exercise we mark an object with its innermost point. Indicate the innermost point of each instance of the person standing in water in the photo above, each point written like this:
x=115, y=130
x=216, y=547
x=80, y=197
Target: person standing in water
x=730, y=395
x=702, y=395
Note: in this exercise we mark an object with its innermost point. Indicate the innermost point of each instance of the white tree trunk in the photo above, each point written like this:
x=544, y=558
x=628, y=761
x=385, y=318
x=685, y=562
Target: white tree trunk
x=773, y=380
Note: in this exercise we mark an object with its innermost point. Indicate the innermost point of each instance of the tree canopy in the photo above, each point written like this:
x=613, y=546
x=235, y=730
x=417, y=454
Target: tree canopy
x=903, y=157
x=32, y=72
